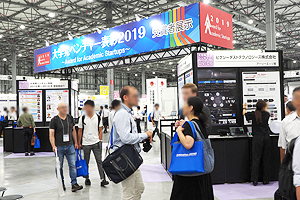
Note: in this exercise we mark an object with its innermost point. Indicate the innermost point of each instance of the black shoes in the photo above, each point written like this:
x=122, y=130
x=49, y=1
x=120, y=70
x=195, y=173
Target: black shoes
x=76, y=187
x=88, y=181
x=26, y=154
x=255, y=183
x=32, y=154
x=104, y=183
x=266, y=182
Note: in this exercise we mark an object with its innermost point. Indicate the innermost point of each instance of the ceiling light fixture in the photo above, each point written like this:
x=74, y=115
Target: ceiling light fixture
x=135, y=74
x=22, y=27
x=137, y=17
x=20, y=55
x=234, y=41
x=52, y=15
x=173, y=70
x=89, y=1
x=277, y=34
x=298, y=44
x=206, y=1
x=294, y=61
x=70, y=36
x=4, y=59
x=148, y=66
x=170, y=63
x=153, y=72
x=250, y=21
x=1, y=36
x=173, y=75
x=128, y=69
x=47, y=43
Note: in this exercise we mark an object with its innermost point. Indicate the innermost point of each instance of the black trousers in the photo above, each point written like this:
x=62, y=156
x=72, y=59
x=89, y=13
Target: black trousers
x=261, y=150
x=156, y=129
x=138, y=125
x=28, y=132
x=105, y=123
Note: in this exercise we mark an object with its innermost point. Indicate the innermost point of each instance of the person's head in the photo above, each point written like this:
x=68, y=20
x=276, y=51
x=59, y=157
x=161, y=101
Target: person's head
x=101, y=107
x=110, y=107
x=296, y=98
x=129, y=96
x=260, y=106
x=62, y=108
x=5, y=109
x=115, y=104
x=156, y=106
x=194, y=107
x=189, y=90
x=89, y=107
x=25, y=109
x=290, y=107
x=285, y=98
x=106, y=106
x=79, y=108
x=12, y=109
x=138, y=107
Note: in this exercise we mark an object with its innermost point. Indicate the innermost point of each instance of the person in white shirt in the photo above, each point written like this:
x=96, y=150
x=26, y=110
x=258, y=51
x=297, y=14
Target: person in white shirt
x=115, y=105
x=105, y=115
x=90, y=131
x=155, y=116
x=12, y=115
x=290, y=126
x=138, y=118
x=296, y=167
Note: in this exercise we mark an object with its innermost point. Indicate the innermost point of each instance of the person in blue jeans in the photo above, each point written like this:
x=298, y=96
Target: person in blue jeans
x=63, y=138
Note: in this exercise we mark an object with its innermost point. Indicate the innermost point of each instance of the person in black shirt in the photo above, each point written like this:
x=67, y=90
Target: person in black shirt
x=261, y=145
x=192, y=187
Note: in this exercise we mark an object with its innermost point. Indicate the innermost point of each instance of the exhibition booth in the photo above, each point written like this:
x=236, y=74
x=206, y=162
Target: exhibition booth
x=226, y=80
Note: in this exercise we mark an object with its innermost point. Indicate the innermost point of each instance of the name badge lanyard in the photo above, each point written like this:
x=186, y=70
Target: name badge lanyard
x=65, y=136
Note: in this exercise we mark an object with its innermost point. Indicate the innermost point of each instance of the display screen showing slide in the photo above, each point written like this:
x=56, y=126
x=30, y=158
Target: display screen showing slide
x=33, y=100
x=217, y=89
x=262, y=86
x=53, y=98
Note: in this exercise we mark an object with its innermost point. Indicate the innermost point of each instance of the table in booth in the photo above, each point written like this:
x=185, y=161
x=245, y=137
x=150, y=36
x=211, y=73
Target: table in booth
x=232, y=157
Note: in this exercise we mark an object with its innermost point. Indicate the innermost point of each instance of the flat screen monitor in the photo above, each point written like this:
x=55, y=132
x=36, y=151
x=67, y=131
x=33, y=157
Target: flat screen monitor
x=237, y=131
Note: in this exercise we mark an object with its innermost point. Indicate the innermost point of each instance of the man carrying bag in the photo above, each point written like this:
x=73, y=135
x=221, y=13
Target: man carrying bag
x=125, y=133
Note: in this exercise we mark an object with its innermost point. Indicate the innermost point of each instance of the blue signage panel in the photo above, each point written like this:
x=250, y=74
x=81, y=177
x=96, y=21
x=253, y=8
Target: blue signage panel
x=170, y=29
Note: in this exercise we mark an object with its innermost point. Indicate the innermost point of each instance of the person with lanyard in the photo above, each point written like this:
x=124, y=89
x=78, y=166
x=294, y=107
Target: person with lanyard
x=27, y=122
x=115, y=105
x=138, y=119
x=63, y=138
x=197, y=187
x=155, y=117
x=105, y=114
x=261, y=145
x=90, y=131
x=290, y=126
x=125, y=132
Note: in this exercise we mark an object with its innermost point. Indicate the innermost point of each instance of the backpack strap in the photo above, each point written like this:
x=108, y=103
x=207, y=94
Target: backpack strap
x=99, y=120
x=82, y=121
x=198, y=129
x=291, y=146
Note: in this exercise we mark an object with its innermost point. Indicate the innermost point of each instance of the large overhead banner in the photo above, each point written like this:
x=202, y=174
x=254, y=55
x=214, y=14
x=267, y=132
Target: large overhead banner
x=170, y=29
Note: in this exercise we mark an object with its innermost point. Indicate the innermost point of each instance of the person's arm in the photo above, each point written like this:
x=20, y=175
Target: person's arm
x=74, y=134
x=32, y=122
x=296, y=167
x=19, y=122
x=298, y=192
x=79, y=137
x=186, y=140
x=282, y=144
x=282, y=154
x=244, y=108
x=52, y=139
x=100, y=129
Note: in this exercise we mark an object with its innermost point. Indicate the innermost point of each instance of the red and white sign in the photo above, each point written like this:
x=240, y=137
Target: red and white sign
x=112, y=81
x=215, y=26
x=116, y=94
x=43, y=59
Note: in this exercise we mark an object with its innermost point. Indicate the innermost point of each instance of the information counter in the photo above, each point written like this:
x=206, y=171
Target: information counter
x=232, y=157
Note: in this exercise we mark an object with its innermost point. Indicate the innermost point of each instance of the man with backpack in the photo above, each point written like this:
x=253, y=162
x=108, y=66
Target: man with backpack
x=90, y=131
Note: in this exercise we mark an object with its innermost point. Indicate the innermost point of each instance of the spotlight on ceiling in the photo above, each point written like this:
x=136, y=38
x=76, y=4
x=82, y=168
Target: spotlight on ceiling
x=173, y=70
x=52, y=15
x=128, y=69
x=298, y=44
x=137, y=17
x=4, y=59
x=1, y=36
x=148, y=66
x=135, y=74
x=70, y=36
x=250, y=21
x=234, y=41
x=22, y=27
x=20, y=55
x=173, y=75
x=277, y=34
x=170, y=63
x=206, y=1
x=294, y=61
x=153, y=72
x=89, y=1
x=47, y=43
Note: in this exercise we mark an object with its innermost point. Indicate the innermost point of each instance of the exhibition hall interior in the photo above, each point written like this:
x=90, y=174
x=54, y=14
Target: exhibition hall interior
x=149, y=99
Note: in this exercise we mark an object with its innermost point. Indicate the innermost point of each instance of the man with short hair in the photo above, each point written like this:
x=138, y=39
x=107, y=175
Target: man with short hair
x=63, y=138
x=190, y=90
x=12, y=115
x=115, y=105
x=105, y=115
x=125, y=132
x=155, y=117
x=90, y=131
x=27, y=122
x=138, y=118
x=290, y=126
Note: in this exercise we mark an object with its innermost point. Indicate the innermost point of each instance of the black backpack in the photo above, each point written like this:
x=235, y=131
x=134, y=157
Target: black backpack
x=82, y=120
x=286, y=184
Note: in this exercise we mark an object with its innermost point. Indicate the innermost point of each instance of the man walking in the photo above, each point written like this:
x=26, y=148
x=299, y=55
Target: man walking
x=115, y=105
x=138, y=119
x=90, y=131
x=125, y=132
x=27, y=122
x=155, y=117
x=105, y=114
x=63, y=138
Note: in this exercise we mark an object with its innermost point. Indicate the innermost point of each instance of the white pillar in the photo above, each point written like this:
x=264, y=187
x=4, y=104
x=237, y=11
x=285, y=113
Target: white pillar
x=270, y=26
x=14, y=72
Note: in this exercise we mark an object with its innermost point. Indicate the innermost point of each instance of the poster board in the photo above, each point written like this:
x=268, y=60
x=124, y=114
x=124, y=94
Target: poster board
x=53, y=98
x=34, y=101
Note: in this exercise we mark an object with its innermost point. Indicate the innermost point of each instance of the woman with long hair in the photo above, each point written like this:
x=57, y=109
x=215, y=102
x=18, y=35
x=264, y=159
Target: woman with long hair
x=261, y=143
x=195, y=187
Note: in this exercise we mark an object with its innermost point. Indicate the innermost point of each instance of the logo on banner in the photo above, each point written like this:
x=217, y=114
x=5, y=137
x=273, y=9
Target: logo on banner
x=104, y=90
x=207, y=25
x=151, y=83
x=43, y=59
x=162, y=83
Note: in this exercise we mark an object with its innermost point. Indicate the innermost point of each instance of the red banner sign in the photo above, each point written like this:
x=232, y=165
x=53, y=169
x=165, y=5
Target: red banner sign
x=215, y=26
x=43, y=59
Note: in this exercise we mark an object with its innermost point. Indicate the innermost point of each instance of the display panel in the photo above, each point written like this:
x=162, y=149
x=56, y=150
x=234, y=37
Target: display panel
x=217, y=89
x=173, y=28
x=73, y=111
x=189, y=77
x=262, y=86
x=34, y=101
x=76, y=103
x=180, y=84
x=53, y=98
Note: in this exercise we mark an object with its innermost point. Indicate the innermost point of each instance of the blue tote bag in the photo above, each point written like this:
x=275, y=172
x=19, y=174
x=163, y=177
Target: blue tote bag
x=81, y=166
x=187, y=161
x=37, y=143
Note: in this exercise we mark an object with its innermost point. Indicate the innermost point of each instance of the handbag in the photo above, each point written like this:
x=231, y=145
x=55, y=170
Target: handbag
x=196, y=161
x=33, y=140
x=81, y=166
x=37, y=144
x=123, y=162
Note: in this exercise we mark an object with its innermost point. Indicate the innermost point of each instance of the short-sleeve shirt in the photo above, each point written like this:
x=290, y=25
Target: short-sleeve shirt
x=188, y=130
x=261, y=128
x=290, y=127
x=62, y=127
x=90, y=133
